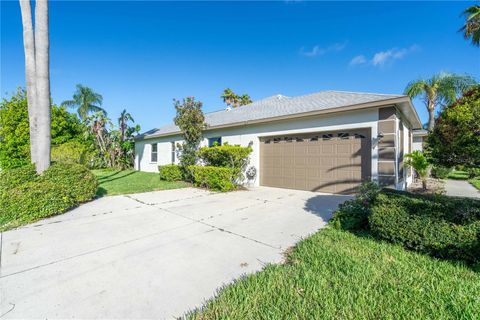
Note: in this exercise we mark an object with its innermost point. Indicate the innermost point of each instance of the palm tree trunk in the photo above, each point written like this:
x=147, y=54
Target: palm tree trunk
x=42, y=68
x=29, y=48
x=431, y=116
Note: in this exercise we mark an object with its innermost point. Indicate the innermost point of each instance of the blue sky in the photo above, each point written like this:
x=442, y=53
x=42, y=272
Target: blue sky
x=141, y=55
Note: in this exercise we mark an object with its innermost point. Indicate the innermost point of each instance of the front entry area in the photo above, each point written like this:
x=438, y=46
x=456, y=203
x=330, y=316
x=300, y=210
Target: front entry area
x=333, y=162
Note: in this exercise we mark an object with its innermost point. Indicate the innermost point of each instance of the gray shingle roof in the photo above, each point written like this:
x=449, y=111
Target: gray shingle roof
x=279, y=105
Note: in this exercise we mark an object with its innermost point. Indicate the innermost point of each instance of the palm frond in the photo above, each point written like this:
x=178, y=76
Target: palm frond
x=415, y=88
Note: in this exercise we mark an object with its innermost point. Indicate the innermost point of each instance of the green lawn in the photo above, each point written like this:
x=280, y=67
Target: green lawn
x=475, y=182
x=113, y=182
x=458, y=175
x=337, y=275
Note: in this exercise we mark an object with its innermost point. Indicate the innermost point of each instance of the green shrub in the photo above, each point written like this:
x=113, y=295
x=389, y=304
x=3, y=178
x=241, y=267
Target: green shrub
x=215, y=178
x=353, y=214
x=72, y=152
x=26, y=197
x=234, y=157
x=76, y=179
x=31, y=201
x=170, y=172
x=441, y=172
x=12, y=178
x=443, y=227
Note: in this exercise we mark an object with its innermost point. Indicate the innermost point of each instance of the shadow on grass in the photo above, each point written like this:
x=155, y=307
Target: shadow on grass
x=101, y=192
x=104, y=180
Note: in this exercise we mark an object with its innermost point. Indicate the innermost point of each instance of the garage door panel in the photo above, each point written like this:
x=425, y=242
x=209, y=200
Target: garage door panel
x=328, y=162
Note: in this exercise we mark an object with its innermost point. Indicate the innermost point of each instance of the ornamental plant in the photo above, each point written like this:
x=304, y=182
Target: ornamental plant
x=234, y=157
x=419, y=163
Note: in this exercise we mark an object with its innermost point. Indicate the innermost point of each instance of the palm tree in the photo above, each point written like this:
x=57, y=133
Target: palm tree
x=232, y=99
x=440, y=90
x=229, y=97
x=122, y=123
x=471, y=29
x=37, y=72
x=86, y=101
x=245, y=99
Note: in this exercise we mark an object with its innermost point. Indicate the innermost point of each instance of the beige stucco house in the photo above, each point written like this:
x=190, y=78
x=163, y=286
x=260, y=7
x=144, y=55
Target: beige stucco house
x=328, y=141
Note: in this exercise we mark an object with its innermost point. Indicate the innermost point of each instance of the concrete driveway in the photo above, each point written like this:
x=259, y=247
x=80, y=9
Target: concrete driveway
x=150, y=255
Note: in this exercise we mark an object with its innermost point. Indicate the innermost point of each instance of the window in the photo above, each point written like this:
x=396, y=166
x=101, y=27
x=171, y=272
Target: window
x=217, y=141
x=173, y=152
x=154, y=152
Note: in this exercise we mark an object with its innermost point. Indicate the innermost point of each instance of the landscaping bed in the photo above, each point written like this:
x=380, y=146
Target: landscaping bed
x=114, y=182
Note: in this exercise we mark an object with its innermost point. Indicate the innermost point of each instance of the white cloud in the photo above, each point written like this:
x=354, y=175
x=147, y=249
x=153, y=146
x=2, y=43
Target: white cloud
x=383, y=58
x=318, y=51
x=360, y=59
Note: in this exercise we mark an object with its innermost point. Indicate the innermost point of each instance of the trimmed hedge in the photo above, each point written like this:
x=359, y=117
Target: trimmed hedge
x=26, y=197
x=72, y=152
x=12, y=178
x=234, y=157
x=441, y=172
x=443, y=227
x=215, y=178
x=32, y=201
x=76, y=179
x=170, y=172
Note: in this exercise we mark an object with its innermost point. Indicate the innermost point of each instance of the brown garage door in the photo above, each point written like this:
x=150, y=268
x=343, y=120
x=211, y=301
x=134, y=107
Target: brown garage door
x=326, y=162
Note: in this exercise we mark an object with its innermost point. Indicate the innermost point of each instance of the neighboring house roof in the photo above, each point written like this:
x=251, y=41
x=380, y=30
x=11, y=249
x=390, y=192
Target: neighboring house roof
x=280, y=107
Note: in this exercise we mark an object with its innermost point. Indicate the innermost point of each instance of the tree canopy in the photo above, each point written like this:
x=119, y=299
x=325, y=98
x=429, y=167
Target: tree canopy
x=456, y=137
x=191, y=121
x=471, y=28
x=86, y=101
x=14, y=129
x=232, y=99
x=439, y=90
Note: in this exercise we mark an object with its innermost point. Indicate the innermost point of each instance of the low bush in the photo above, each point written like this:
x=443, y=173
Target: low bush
x=72, y=152
x=76, y=179
x=215, y=178
x=443, y=227
x=12, y=178
x=26, y=197
x=353, y=214
x=234, y=157
x=31, y=201
x=170, y=172
x=441, y=172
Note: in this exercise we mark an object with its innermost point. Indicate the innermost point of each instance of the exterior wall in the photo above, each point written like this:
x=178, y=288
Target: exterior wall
x=387, y=146
x=417, y=143
x=396, y=142
x=164, y=146
x=251, y=134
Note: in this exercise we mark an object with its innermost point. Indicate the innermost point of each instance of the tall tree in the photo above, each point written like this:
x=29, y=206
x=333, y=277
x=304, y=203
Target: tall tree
x=439, y=90
x=231, y=99
x=85, y=100
x=37, y=73
x=191, y=121
x=123, y=123
x=471, y=29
